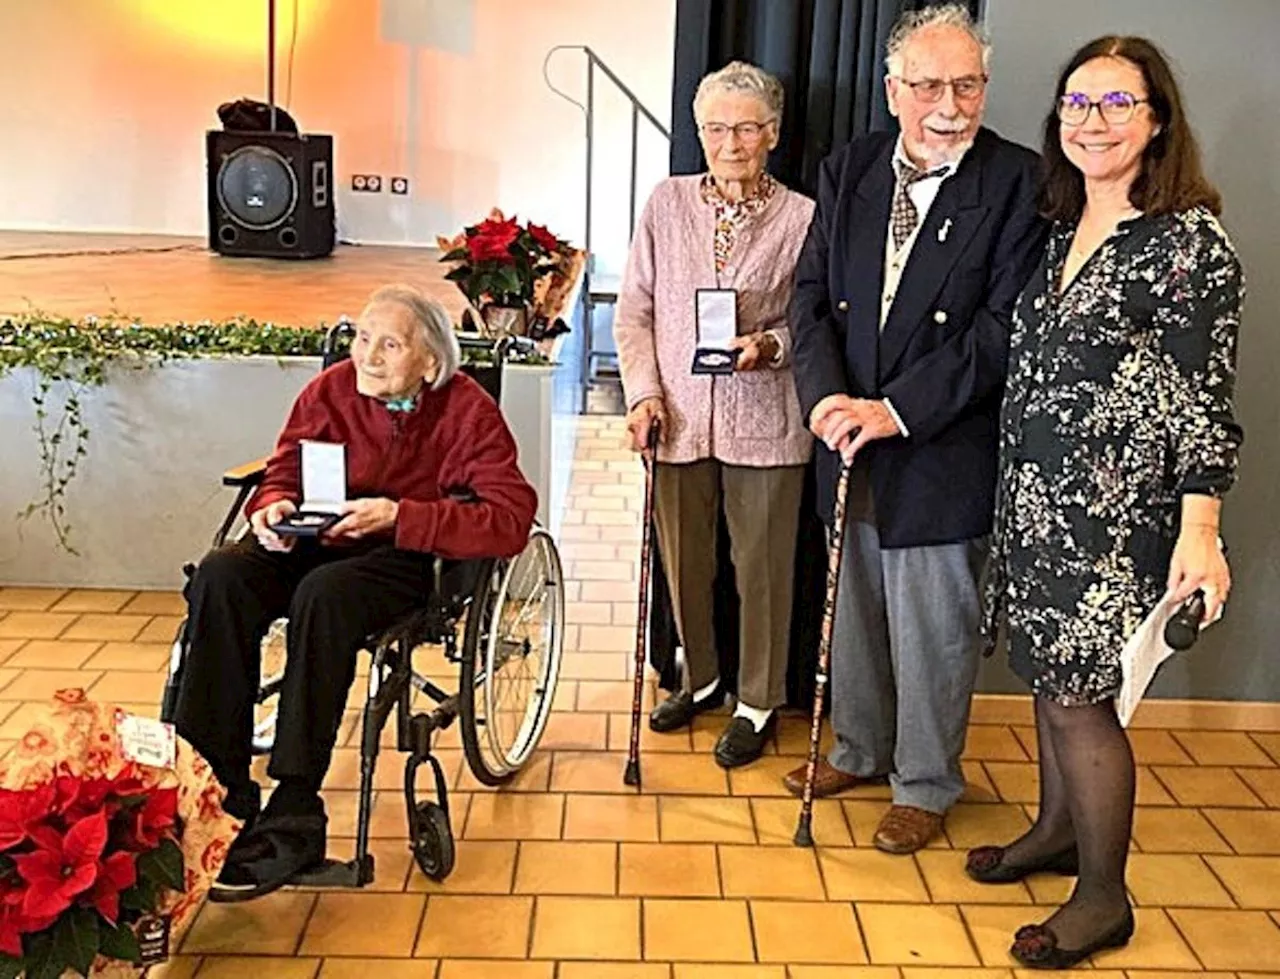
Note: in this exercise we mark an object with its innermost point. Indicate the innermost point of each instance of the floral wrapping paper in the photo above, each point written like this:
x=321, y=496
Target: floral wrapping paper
x=77, y=736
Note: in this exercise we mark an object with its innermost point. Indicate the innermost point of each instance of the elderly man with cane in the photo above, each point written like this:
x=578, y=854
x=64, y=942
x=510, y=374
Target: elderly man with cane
x=918, y=248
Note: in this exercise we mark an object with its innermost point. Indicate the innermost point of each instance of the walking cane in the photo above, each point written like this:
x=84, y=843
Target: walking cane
x=632, y=774
x=804, y=831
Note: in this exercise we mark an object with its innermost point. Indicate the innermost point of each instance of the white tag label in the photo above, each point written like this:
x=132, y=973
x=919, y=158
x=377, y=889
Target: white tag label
x=147, y=742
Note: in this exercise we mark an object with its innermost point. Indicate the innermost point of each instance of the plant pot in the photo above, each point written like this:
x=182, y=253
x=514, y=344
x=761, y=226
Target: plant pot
x=500, y=321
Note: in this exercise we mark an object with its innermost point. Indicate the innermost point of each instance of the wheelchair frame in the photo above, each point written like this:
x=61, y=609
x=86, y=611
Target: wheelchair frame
x=392, y=682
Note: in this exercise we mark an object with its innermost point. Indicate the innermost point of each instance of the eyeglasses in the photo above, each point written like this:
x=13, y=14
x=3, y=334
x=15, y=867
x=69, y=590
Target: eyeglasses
x=747, y=132
x=1115, y=108
x=931, y=89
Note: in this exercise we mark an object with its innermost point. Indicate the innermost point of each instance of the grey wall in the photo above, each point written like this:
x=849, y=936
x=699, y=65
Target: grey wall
x=1225, y=56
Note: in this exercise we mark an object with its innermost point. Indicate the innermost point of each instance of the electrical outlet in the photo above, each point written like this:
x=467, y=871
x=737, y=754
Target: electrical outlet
x=366, y=183
x=399, y=185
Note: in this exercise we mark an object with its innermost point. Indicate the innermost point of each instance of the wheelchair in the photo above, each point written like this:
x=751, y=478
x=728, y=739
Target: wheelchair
x=501, y=622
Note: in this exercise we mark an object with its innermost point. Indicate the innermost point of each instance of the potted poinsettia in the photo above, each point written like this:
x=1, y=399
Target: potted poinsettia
x=102, y=858
x=501, y=266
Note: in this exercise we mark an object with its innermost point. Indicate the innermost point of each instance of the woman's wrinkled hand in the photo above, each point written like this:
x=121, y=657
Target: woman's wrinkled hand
x=758, y=351
x=641, y=418
x=365, y=518
x=1198, y=563
x=261, y=521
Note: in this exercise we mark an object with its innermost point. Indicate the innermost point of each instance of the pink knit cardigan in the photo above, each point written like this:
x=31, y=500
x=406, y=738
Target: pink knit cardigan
x=751, y=418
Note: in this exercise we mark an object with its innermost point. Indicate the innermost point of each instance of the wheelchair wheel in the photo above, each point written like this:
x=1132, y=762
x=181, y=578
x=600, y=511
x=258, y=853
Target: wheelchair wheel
x=511, y=660
x=432, y=841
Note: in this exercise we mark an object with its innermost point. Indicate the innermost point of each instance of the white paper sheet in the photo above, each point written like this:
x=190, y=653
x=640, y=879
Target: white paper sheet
x=1141, y=657
x=717, y=318
x=324, y=477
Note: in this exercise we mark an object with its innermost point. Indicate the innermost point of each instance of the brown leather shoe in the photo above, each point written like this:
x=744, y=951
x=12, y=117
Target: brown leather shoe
x=905, y=829
x=827, y=780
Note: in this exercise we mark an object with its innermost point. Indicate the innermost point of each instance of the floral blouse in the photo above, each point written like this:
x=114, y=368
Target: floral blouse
x=732, y=215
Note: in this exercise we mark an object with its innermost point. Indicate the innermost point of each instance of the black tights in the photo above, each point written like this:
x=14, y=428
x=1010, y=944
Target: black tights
x=1086, y=799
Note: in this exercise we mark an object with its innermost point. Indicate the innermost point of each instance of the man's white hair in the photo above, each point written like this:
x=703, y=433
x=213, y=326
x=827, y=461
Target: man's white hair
x=434, y=323
x=941, y=15
x=741, y=77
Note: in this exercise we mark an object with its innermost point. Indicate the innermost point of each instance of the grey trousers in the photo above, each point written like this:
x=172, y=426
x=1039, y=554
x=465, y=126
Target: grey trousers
x=762, y=509
x=904, y=659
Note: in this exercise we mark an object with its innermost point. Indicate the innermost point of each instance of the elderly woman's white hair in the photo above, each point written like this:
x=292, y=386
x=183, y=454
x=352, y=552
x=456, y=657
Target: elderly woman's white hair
x=742, y=78
x=941, y=15
x=435, y=327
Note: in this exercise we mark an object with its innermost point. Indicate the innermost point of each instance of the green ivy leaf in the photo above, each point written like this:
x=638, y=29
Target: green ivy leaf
x=120, y=943
x=163, y=865
x=10, y=968
x=42, y=957
x=75, y=939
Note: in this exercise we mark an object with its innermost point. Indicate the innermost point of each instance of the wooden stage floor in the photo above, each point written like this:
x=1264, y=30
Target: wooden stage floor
x=159, y=279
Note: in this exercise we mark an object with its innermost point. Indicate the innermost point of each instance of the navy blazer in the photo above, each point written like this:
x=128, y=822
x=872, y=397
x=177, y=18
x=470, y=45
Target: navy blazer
x=942, y=356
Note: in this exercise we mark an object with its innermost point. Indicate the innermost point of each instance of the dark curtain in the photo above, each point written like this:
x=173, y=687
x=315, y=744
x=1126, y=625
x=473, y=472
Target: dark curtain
x=829, y=55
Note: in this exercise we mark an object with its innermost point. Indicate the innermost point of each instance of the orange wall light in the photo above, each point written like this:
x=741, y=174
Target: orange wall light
x=231, y=27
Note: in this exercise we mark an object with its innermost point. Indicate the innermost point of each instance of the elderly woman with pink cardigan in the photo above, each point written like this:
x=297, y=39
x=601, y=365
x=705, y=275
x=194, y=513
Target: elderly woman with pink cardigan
x=735, y=439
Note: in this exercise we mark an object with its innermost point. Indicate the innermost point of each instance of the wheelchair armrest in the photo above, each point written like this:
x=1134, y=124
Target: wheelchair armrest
x=249, y=474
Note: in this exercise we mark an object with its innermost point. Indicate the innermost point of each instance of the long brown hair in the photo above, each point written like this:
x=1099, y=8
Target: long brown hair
x=1171, y=177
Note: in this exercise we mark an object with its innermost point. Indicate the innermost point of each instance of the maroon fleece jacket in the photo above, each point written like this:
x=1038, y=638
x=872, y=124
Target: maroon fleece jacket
x=455, y=441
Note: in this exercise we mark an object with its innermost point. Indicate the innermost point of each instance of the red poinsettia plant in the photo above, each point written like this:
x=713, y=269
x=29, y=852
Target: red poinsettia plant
x=499, y=261
x=81, y=861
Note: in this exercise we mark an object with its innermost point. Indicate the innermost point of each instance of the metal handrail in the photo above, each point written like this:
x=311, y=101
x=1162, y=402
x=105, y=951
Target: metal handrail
x=638, y=109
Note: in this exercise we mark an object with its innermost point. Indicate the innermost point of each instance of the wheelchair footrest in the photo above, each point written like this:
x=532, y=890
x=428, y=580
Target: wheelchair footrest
x=337, y=873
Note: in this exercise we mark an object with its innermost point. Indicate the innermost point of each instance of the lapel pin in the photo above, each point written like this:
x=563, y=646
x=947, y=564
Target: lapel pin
x=944, y=230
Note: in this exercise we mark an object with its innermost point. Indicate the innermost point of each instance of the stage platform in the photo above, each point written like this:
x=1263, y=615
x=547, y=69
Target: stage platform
x=161, y=278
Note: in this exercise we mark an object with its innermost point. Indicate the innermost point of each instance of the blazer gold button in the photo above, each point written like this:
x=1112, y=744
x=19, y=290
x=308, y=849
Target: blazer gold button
x=940, y=317
x=843, y=305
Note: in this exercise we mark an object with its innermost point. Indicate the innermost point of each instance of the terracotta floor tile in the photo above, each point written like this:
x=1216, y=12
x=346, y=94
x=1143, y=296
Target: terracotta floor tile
x=992, y=927
x=9, y=647
x=546, y=867
x=483, y=867
x=391, y=858
x=1015, y=782
x=36, y=625
x=802, y=932
x=1265, y=783
x=587, y=613
x=854, y=972
x=268, y=926
x=672, y=774
x=474, y=927
x=117, y=686
x=1176, y=831
x=575, y=732
x=162, y=628
x=697, y=931
x=1156, y=944
x=1231, y=939
x=156, y=603
x=1050, y=889
x=533, y=777
x=177, y=967
x=865, y=816
x=586, y=928
x=978, y=787
x=593, y=771
x=382, y=968
x=905, y=934
x=145, y=657
x=117, y=628
x=968, y=826
x=608, y=591
x=793, y=735
x=364, y=924
x=249, y=967
x=1002, y=709
x=611, y=696
x=593, y=666
x=705, y=819
x=1254, y=882
x=865, y=874
x=620, y=736
x=1150, y=790
x=1248, y=832
x=668, y=870
x=602, y=817
x=770, y=872
x=1155, y=747
x=514, y=816
x=1270, y=743
x=607, y=638
x=1174, y=880
x=1207, y=787
x=92, y=600
x=43, y=684
x=702, y=970
x=991, y=742
x=493, y=969
x=776, y=822
x=763, y=777
x=1234, y=748
x=948, y=883
x=566, y=696
x=29, y=599
x=614, y=970
x=53, y=654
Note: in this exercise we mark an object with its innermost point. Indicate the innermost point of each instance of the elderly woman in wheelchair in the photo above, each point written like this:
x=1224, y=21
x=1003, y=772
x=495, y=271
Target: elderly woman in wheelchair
x=431, y=474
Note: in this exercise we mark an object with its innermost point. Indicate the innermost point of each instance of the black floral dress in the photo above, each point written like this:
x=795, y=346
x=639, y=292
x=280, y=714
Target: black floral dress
x=1119, y=401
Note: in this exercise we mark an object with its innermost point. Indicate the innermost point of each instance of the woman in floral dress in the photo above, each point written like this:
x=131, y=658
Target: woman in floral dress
x=1117, y=442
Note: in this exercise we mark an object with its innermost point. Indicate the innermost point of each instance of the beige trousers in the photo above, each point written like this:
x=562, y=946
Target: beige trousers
x=762, y=509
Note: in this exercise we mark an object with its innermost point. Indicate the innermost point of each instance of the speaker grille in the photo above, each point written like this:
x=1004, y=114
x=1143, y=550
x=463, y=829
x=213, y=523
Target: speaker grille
x=257, y=188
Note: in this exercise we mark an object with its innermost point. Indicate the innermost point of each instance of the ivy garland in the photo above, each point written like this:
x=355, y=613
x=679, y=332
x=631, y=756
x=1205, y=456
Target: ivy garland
x=75, y=355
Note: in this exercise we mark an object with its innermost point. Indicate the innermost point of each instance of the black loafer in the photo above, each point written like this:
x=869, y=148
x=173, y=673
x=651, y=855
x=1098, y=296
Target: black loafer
x=740, y=743
x=680, y=709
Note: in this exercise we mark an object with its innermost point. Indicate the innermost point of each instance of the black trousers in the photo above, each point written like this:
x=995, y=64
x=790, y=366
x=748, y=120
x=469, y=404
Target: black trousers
x=335, y=598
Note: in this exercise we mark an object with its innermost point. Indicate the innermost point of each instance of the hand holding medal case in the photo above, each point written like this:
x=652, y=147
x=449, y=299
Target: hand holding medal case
x=324, y=491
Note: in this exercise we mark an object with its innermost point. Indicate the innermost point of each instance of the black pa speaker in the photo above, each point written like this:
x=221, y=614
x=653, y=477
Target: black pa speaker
x=270, y=194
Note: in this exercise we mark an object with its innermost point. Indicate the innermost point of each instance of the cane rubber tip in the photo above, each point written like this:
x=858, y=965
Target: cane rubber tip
x=803, y=836
x=632, y=774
